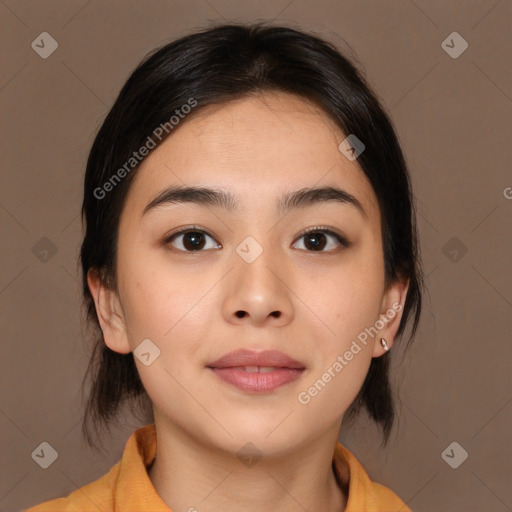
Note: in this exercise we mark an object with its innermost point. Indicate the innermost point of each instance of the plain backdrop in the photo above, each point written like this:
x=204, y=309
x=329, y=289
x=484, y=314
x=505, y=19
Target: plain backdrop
x=452, y=112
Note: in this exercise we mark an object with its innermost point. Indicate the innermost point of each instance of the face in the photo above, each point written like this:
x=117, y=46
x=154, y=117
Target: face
x=249, y=277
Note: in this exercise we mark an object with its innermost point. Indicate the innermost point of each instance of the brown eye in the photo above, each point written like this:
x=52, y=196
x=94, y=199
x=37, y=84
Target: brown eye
x=316, y=240
x=193, y=240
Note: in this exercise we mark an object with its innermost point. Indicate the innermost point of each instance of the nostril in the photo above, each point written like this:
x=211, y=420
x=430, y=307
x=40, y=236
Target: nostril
x=240, y=314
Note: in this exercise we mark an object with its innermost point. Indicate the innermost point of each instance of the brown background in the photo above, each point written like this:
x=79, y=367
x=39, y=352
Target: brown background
x=453, y=117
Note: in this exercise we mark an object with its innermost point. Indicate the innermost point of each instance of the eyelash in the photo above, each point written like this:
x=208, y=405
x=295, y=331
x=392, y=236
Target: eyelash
x=317, y=229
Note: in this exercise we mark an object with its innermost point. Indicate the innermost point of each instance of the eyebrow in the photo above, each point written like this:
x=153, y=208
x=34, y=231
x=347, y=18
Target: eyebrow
x=302, y=198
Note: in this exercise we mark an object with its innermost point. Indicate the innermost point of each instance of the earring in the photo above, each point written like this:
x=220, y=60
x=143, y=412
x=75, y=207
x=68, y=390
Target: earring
x=384, y=344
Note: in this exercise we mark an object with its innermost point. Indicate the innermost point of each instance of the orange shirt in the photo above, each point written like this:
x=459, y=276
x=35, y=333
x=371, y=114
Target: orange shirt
x=127, y=486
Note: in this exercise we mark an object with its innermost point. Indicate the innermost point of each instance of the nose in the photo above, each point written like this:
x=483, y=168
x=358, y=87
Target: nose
x=259, y=292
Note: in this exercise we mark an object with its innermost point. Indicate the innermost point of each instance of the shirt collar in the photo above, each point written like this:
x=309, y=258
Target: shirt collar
x=135, y=491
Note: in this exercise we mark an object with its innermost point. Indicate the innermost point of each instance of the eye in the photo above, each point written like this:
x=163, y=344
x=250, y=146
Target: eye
x=193, y=239
x=316, y=239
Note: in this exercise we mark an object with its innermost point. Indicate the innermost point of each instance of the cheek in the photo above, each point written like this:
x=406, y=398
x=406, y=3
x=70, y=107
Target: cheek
x=167, y=313
x=326, y=398
x=348, y=300
x=158, y=304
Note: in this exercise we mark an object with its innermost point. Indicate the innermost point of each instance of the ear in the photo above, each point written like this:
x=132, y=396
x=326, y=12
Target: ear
x=110, y=314
x=392, y=308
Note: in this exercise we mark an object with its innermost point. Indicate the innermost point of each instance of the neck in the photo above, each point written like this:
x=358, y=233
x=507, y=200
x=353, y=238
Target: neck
x=193, y=476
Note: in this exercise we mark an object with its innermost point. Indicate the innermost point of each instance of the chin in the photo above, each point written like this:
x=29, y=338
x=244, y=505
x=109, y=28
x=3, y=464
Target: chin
x=263, y=438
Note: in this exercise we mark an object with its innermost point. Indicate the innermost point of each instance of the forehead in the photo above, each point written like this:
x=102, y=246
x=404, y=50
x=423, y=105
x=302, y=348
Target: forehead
x=256, y=147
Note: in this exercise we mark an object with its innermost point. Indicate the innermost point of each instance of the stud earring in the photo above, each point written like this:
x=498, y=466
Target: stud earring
x=384, y=344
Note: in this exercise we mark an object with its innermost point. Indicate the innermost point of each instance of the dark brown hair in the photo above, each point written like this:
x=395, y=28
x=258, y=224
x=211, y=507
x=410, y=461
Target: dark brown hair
x=215, y=66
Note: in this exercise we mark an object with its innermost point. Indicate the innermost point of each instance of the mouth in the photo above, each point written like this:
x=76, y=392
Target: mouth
x=253, y=369
x=257, y=372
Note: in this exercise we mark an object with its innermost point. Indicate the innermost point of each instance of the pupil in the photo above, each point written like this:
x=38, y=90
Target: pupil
x=317, y=244
x=195, y=240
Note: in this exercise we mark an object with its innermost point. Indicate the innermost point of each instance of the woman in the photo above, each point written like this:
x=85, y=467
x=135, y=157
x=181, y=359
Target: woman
x=249, y=260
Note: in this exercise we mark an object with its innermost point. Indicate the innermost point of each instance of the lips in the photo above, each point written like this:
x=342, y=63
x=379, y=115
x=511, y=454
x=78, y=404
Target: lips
x=244, y=358
x=257, y=372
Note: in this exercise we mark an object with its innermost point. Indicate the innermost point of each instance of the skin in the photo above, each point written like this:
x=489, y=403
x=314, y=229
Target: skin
x=186, y=304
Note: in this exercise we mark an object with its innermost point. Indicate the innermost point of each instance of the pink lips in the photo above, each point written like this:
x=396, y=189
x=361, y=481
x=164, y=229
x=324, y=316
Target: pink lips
x=267, y=370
